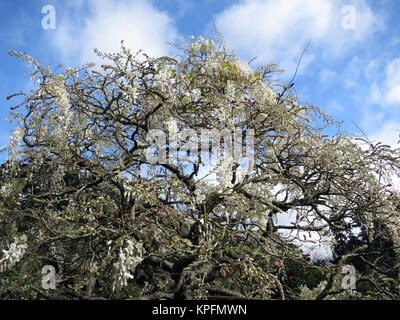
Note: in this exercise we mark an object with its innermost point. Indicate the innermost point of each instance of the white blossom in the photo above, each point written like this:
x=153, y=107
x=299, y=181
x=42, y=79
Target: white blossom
x=199, y=195
x=164, y=77
x=224, y=174
x=14, y=142
x=203, y=45
x=129, y=258
x=14, y=253
x=194, y=94
x=130, y=89
x=263, y=93
x=6, y=190
x=57, y=88
x=243, y=70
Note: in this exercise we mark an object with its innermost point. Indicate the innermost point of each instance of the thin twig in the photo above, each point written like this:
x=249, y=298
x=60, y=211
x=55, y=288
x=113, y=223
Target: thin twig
x=298, y=63
x=360, y=130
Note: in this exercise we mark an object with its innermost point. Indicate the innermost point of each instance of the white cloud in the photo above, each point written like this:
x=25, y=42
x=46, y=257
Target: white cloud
x=375, y=94
x=103, y=24
x=392, y=94
x=387, y=92
x=353, y=72
x=277, y=31
x=388, y=133
x=327, y=75
x=372, y=70
x=371, y=119
x=334, y=106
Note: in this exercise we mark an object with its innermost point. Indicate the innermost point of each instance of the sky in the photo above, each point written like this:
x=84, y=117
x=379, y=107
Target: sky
x=351, y=69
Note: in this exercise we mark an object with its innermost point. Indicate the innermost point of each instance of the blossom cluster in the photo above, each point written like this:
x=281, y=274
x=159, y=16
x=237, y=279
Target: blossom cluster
x=164, y=77
x=130, y=88
x=193, y=95
x=242, y=70
x=263, y=93
x=14, y=253
x=129, y=258
x=201, y=45
x=224, y=174
x=199, y=195
x=14, y=142
x=56, y=87
x=6, y=190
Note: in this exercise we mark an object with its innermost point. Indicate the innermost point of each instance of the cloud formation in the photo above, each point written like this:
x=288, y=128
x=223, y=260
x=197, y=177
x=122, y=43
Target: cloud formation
x=103, y=24
x=388, y=133
x=385, y=89
x=278, y=31
x=392, y=94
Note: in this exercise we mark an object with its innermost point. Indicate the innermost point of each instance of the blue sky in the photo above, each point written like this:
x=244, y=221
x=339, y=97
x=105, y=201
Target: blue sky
x=351, y=68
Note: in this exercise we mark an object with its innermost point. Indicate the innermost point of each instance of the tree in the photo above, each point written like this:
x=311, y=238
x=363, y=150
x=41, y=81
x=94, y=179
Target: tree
x=375, y=261
x=107, y=181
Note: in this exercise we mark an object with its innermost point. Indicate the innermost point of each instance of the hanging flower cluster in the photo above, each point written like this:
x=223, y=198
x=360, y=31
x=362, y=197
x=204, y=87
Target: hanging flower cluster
x=129, y=258
x=14, y=253
x=14, y=143
x=56, y=88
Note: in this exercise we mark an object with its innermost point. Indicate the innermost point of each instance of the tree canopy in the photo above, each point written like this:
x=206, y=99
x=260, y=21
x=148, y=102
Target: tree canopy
x=112, y=179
